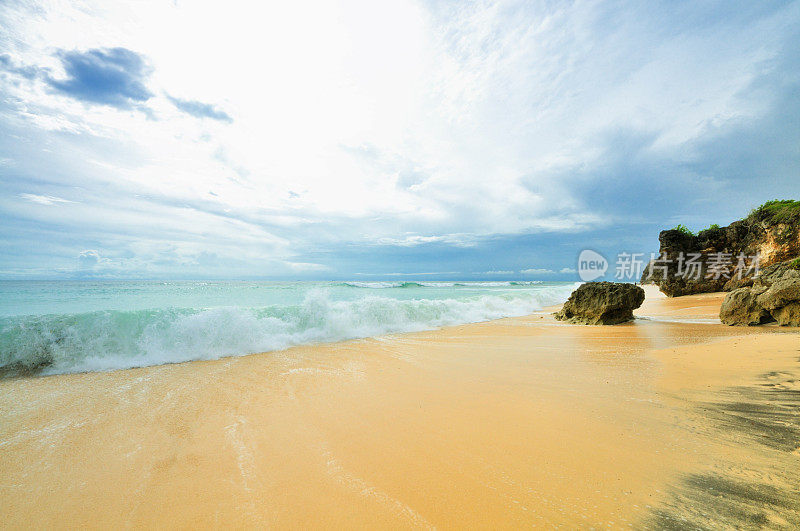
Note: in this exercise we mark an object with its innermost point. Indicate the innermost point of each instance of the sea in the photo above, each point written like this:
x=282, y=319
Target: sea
x=52, y=327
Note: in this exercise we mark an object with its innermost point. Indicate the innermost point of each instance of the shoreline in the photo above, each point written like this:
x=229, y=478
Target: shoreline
x=653, y=294
x=519, y=421
x=72, y=341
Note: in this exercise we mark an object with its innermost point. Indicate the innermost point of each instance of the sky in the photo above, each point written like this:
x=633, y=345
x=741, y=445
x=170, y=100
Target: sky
x=391, y=139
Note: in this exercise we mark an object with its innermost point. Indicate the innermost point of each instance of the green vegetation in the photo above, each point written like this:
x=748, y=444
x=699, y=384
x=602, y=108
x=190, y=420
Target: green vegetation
x=684, y=229
x=795, y=264
x=784, y=212
x=777, y=211
x=703, y=233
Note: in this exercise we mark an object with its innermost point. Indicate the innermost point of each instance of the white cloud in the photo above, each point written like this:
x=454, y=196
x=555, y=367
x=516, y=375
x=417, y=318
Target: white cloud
x=458, y=240
x=307, y=266
x=44, y=199
x=537, y=271
x=417, y=274
x=91, y=259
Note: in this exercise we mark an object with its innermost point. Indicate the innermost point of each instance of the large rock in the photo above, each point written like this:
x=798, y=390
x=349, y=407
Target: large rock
x=736, y=283
x=741, y=308
x=783, y=292
x=782, y=300
x=774, y=296
x=674, y=243
x=772, y=274
x=604, y=303
x=788, y=315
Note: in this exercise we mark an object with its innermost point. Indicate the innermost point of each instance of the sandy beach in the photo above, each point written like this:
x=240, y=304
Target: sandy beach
x=395, y=265
x=672, y=420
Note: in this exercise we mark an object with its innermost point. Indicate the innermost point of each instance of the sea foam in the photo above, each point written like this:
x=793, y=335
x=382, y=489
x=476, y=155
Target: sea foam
x=114, y=339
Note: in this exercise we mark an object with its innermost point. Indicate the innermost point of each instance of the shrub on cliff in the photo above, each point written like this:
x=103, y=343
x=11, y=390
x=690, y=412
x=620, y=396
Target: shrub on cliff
x=777, y=211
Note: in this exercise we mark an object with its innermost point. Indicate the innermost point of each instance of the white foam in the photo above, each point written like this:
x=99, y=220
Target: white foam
x=108, y=340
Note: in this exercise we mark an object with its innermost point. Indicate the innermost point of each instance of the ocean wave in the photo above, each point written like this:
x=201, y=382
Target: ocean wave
x=381, y=284
x=106, y=340
x=438, y=284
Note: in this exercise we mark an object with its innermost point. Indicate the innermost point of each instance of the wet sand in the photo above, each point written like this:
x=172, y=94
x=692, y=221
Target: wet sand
x=671, y=421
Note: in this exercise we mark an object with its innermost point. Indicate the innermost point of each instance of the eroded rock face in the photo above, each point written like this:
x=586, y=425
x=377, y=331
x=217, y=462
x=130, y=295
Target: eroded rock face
x=774, y=242
x=736, y=283
x=771, y=274
x=789, y=315
x=774, y=296
x=672, y=282
x=604, y=303
x=780, y=294
x=741, y=308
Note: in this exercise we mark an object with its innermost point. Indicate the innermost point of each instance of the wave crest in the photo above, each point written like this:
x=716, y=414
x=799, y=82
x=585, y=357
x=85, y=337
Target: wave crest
x=439, y=284
x=107, y=340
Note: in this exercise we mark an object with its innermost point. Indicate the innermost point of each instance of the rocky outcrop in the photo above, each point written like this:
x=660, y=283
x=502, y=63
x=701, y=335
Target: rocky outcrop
x=788, y=315
x=673, y=244
x=741, y=307
x=774, y=296
x=604, y=303
x=30, y=368
x=771, y=231
x=780, y=271
x=782, y=301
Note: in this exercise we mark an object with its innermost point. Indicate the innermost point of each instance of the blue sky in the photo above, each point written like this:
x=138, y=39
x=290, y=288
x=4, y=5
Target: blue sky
x=395, y=139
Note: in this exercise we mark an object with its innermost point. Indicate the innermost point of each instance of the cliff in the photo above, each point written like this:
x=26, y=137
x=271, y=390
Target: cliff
x=723, y=255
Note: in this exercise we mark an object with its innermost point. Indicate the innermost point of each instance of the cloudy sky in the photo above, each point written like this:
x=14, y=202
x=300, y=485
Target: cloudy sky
x=186, y=139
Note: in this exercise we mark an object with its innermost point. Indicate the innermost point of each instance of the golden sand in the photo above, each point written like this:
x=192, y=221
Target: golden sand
x=673, y=419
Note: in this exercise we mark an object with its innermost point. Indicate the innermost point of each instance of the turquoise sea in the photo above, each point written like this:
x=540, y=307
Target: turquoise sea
x=60, y=326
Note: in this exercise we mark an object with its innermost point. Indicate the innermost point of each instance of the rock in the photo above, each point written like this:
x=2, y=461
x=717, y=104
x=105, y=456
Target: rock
x=789, y=315
x=741, y=308
x=672, y=245
x=774, y=296
x=28, y=367
x=736, y=283
x=782, y=300
x=603, y=303
x=781, y=293
x=771, y=274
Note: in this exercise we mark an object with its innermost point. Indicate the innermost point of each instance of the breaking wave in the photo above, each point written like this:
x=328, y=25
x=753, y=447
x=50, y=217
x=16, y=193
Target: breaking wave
x=439, y=284
x=114, y=339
